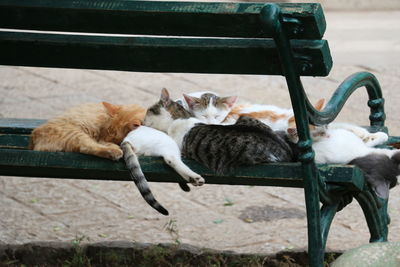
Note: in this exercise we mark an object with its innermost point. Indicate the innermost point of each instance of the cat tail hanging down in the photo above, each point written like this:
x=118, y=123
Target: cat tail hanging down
x=132, y=164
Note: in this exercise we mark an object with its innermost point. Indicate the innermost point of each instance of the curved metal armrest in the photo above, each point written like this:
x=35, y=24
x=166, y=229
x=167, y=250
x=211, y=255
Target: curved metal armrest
x=343, y=92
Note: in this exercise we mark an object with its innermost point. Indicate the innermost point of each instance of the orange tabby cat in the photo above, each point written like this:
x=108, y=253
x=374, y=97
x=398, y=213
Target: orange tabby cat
x=95, y=129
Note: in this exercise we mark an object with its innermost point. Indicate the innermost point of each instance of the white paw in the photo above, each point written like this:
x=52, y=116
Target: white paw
x=196, y=180
x=375, y=139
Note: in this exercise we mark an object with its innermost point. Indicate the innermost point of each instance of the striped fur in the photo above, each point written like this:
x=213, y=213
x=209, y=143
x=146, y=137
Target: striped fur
x=219, y=147
x=247, y=142
x=135, y=171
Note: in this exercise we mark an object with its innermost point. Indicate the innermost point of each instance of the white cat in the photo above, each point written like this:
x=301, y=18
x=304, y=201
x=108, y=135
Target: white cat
x=370, y=139
x=147, y=141
x=336, y=145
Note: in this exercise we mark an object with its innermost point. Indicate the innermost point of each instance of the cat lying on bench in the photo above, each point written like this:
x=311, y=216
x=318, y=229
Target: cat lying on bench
x=337, y=143
x=98, y=128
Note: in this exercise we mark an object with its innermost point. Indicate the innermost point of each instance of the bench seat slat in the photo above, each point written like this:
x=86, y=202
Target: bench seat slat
x=156, y=17
x=79, y=166
x=25, y=126
x=158, y=54
x=18, y=126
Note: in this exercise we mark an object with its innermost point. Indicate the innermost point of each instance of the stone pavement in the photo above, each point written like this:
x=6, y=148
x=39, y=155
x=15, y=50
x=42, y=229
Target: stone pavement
x=239, y=218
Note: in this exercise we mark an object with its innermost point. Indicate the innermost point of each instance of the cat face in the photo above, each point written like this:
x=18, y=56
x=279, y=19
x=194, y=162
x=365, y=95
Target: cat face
x=164, y=112
x=317, y=133
x=210, y=108
x=124, y=118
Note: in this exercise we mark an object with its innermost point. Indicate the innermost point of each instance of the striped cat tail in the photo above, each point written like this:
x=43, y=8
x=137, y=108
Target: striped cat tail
x=132, y=164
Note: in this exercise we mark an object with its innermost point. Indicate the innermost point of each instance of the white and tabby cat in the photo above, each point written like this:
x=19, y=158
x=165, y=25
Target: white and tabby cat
x=218, y=147
x=207, y=106
x=147, y=141
x=223, y=110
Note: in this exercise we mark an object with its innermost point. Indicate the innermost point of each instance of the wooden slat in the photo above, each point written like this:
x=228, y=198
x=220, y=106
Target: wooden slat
x=25, y=126
x=15, y=141
x=79, y=166
x=156, y=17
x=18, y=126
x=157, y=54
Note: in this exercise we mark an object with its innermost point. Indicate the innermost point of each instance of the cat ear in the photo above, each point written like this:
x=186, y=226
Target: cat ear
x=190, y=100
x=320, y=104
x=292, y=122
x=111, y=109
x=396, y=157
x=133, y=125
x=292, y=135
x=165, y=97
x=292, y=132
x=230, y=100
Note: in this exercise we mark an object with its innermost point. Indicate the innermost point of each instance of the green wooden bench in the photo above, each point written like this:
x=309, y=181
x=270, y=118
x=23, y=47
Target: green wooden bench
x=193, y=37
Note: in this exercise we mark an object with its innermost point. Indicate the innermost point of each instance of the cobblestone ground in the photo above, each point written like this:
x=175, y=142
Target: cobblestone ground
x=239, y=218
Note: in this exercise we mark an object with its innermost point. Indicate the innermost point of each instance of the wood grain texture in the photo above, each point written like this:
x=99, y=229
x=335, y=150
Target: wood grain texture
x=160, y=54
x=157, y=17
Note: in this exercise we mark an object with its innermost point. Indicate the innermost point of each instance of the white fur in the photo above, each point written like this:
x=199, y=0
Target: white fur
x=180, y=127
x=160, y=122
x=147, y=141
x=340, y=146
x=276, y=125
x=194, y=94
x=370, y=139
x=257, y=108
x=209, y=115
x=212, y=114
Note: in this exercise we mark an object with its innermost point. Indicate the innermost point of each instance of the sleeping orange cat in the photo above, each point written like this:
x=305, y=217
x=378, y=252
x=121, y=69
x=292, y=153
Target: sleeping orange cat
x=95, y=129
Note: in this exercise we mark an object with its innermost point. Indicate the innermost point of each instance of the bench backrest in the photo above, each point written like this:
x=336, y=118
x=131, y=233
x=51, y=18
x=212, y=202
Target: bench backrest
x=169, y=36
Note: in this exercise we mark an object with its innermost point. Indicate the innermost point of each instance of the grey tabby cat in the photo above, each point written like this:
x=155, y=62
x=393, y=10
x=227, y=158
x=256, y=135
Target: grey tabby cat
x=218, y=147
x=223, y=147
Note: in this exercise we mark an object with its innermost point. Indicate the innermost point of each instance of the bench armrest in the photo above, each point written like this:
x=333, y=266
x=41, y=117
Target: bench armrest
x=343, y=92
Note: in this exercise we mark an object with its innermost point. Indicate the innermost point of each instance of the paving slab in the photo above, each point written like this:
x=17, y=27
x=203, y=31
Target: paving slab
x=238, y=218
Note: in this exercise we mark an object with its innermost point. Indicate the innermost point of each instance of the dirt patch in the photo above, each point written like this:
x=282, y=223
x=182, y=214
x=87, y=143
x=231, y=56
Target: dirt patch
x=121, y=253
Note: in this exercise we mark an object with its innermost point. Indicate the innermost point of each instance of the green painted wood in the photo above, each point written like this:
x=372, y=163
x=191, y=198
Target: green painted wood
x=18, y=126
x=14, y=133
x=25, y=126
x=157, y=17
x=79, y=166
x=160, y=54
x=16, y=141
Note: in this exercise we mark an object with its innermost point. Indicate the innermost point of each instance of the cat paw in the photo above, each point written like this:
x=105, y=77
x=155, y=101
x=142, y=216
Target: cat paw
x=116, y=154
x=112, y=152
x=197, y=181
x=375, y=139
